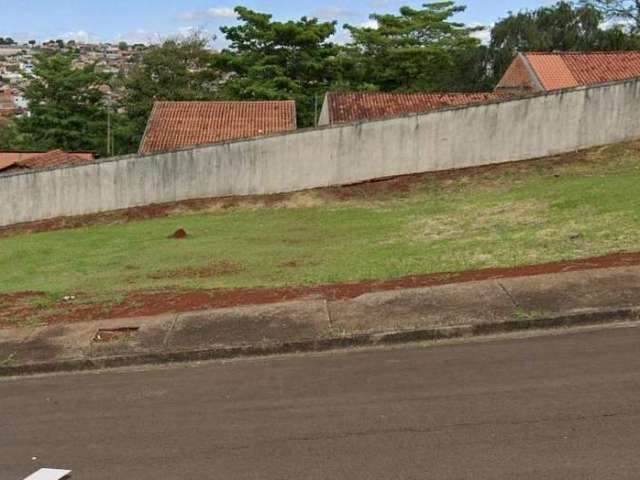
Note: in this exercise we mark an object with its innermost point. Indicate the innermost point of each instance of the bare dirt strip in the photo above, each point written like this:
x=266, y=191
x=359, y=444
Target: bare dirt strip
x=148, y=303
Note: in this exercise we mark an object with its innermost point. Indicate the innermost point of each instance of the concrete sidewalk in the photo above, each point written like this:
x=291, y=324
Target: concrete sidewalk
x=449, y=311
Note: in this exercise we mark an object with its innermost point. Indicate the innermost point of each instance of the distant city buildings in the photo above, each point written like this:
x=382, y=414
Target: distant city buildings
x=18, y=61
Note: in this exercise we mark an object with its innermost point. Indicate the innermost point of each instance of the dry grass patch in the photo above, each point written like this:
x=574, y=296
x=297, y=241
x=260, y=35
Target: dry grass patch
x=472, y=220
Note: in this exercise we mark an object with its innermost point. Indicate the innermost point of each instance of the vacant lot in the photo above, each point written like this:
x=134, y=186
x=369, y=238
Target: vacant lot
x=581, y=205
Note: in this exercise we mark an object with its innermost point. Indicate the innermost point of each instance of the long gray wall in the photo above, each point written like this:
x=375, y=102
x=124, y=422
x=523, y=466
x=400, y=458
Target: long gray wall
x=464, y=137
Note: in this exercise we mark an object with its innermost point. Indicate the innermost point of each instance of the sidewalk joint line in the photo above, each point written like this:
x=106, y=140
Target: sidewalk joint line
x=508, y=294
x=328, y=310
x=165, y=341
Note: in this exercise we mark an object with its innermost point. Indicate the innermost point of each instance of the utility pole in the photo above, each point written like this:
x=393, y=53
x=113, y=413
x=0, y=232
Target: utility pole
x=109, y=128
x=315, y=115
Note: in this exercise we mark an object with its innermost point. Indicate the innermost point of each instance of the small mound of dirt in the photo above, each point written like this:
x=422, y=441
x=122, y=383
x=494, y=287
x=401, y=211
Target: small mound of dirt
x=179, y=234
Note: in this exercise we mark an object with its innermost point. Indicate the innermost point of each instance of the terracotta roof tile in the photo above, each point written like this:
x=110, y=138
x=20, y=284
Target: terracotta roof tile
x=552, y=71
x=6, y=163
x=54, y=158
x=6, y=103
x=345, y=107
x=175, y=125
x=517, y=78
x=569, y=69
x=38, y=160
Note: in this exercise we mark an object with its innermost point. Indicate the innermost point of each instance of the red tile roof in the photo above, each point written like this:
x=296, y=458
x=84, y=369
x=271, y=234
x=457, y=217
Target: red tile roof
x=175, y=125
x=569, y=69
x=54, y=158
x=518, y=78
x=7, y=107
x=345, y=107
x=6, y=163
x=39, y=160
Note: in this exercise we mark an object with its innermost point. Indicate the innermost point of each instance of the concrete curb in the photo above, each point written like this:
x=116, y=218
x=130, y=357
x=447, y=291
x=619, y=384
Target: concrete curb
x=574, y=318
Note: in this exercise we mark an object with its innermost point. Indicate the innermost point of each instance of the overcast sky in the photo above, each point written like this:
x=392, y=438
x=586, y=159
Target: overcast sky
x=149, y=20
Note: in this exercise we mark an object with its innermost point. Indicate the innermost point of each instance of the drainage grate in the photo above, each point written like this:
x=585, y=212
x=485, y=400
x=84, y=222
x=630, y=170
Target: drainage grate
x=108, y=335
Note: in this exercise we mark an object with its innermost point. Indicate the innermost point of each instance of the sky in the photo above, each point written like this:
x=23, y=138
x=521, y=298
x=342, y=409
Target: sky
x=152, y=20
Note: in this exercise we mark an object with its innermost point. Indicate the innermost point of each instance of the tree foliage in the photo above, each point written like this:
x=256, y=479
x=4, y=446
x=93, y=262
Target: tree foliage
x=626, y=11
x=419, y=49
x=415, y=49
x=177, y=70
x=270, y=60
x=67, y=108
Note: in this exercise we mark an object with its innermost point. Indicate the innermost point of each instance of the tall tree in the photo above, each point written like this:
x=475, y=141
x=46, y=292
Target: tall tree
x=419, y=49
x=627, y=11
x=178, y=69
x=269, y=60
x=67, y=109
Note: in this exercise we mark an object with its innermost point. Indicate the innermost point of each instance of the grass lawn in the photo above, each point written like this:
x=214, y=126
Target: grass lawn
x=584, y=205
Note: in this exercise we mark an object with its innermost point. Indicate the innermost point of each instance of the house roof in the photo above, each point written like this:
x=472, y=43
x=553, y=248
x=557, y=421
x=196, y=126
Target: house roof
x=6, y=163
x=345, y=107
x=175, y=125
x=54, y=158
x=38, y=160
x=559, y=70
x=6, y=102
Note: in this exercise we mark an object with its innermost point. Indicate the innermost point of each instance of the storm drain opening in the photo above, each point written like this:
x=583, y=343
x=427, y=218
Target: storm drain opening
x=109, y=335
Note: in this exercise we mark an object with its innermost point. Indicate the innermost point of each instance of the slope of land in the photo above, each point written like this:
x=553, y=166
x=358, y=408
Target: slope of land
x=564, y=208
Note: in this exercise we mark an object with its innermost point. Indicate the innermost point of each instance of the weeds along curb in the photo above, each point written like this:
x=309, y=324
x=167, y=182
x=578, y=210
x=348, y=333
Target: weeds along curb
x=572, y=319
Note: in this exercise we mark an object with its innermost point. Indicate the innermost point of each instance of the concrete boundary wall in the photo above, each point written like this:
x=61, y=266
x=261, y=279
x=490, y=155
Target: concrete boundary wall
x=496, y=132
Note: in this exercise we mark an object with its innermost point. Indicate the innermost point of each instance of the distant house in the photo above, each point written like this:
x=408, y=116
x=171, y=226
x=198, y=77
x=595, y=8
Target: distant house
x=7, y=105
x=177, y=125
x=347, y=107
x=543, y=72
x=14, y=161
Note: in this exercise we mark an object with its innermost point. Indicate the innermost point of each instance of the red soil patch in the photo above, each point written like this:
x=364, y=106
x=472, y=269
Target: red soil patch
x=148, y=303
x=13, y=297
x=137, y=214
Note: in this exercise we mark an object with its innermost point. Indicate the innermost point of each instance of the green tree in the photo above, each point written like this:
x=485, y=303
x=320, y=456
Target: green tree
x=627, y=11
x=67, y=108
x=419, y=49
x=179, y=69
x=270, y=60
x=123, y=46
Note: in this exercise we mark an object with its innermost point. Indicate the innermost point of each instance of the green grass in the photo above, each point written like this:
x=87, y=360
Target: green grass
x=540, y=212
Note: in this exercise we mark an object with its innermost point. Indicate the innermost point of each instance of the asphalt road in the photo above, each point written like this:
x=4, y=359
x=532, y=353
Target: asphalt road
x=565, y=407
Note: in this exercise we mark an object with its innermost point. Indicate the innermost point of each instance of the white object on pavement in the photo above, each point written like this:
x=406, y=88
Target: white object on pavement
x=49, y=474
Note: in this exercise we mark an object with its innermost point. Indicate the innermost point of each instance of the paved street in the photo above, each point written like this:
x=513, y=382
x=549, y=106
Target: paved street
x=564, y=406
